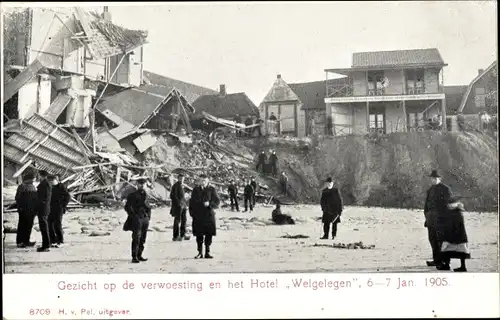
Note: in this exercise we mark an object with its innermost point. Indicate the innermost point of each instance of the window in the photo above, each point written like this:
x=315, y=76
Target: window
x=415, y=120
x=377, y=121
x=480, y=97
x=415, y=81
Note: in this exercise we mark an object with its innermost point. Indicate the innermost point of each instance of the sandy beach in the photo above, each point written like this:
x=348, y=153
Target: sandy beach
x=249, y=242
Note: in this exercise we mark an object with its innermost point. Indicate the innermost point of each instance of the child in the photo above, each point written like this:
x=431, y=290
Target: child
x=454, y=236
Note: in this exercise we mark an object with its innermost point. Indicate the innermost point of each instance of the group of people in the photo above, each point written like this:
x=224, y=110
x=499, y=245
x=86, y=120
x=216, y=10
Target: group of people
x=249, y=194
x=48, y=201
x=267, y=165
x=201, y=205
x=445, y=226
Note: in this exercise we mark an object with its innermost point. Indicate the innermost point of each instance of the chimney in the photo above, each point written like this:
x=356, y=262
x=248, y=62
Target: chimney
x=222, y=90
x=480, y=71
x=278, y=76
x=106, y=15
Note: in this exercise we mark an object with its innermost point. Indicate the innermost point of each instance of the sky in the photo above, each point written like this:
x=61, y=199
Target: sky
x=245, y=45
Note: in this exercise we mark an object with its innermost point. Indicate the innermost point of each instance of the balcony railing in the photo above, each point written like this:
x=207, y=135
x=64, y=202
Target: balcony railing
x=349, y=90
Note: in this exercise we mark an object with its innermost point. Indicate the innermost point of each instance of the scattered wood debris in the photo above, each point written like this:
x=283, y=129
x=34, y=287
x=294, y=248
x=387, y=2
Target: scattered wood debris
x=355, y=245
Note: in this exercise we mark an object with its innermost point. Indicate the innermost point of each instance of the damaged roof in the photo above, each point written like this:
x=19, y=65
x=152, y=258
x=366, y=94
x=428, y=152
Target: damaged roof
x=51, y=147
x=397, y=58
x=225, y=106
x=312, y=94
x=136, y=105
x=104, y=38
x=164, y=84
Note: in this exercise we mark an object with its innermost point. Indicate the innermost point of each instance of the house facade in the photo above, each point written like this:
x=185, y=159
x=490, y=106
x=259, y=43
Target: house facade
x=387, y=91
x=282, y=103
x=62, y=56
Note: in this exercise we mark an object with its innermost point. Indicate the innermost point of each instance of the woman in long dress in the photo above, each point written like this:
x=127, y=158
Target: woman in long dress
x=454, y=236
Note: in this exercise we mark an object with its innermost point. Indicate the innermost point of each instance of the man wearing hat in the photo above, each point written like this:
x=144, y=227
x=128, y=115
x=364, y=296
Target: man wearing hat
x=179, y=208
x=232, y=189
x=332, y=206
x=204, y=200
x=44, y=195
x=435, y=209
x=253, y=183
x=139, y=214
x=58, y=203
x=261, y=162
x=273, y=163
x=26, y=201
x=248, y=194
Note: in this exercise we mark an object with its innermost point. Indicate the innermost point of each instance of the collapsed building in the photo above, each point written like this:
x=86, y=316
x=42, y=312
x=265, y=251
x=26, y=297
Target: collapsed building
x=77, y=103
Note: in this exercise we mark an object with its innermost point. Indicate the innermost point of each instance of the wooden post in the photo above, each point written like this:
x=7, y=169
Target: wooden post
x=295, y=119
x=405, y=121
x=443, y=113
x=367, y=116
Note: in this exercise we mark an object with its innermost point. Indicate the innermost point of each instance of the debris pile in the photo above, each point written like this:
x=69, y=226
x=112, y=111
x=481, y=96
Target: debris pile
x=355, y=245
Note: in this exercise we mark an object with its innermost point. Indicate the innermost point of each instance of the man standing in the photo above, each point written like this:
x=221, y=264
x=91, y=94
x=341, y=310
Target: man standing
x=261, y=162
x=248, y=122
x=26, y=201
x=253, y=183
x=273, y=162
x=284, y=183
x=204, y=200
x=248, y=193
x=237, y=119
x=58, y=204
x=435, y=210
x=332, y=206
x=139, y=214
x=178, y=209
x=232, y=189
x=44, y=195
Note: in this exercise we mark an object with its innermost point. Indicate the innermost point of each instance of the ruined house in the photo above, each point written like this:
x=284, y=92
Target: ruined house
x=223, y=105
x=387, y=91
x=62, y=58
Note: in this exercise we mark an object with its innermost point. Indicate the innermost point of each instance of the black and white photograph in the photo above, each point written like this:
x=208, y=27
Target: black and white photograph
x=250, y=137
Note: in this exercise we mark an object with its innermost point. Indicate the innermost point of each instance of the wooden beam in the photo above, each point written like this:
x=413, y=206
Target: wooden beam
x=21, y=170
x=367, y=116
x=80, y=144
x=13, y=86
x=405, y=117
x=443, y=114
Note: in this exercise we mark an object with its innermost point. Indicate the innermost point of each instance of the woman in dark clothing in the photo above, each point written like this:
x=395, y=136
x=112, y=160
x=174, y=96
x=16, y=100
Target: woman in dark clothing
x=453, y=235
x=280, y=218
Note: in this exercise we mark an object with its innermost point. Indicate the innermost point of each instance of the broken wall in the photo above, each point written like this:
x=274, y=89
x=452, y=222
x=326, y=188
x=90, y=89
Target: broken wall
x=34, y=97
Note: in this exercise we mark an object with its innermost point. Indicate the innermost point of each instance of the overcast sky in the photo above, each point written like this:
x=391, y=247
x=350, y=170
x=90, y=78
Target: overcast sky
x=244, y=45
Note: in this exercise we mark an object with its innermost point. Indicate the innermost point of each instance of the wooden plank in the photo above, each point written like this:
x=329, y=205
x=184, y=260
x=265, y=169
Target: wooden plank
x=81, y=145
x=145, y=141
x=24, y=167
x=13, y=86
x=184, y=113
x=57, y=106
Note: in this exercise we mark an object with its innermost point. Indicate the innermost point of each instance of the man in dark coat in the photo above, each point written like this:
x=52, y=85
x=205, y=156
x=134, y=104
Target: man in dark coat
x=435, y=209
x=279, y=218
x=273, y=162
x=232, y=189
x=26, y=201
x=332, y=206
x=284, y=183
x=261, y=161
x=44, y=195
x=178, y=209
x=237, y=119
x=204, y=200
x=58, y=204
x=139, y=214
x=249, y=122
x=248, y=194
x=253, y=183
